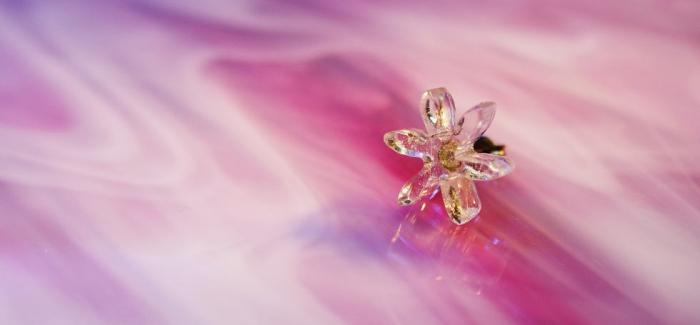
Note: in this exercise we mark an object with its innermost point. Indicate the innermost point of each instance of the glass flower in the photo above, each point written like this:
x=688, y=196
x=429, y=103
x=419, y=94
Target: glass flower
x=450, y=162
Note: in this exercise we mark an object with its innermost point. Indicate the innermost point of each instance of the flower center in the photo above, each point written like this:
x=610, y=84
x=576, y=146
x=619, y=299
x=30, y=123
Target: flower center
x=446, y=156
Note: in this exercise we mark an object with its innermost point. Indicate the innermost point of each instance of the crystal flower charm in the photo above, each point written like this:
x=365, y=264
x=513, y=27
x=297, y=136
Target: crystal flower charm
x=450, y=161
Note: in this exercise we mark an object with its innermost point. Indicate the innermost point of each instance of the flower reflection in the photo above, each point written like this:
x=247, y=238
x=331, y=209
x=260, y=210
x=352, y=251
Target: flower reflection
x=475, y=255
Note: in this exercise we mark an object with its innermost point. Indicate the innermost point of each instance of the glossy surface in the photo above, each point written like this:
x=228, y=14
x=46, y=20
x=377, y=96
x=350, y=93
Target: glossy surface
x=168, y=162
x=450, y=160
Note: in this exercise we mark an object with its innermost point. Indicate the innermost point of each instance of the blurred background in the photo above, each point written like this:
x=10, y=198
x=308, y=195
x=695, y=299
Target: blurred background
x=221, y=162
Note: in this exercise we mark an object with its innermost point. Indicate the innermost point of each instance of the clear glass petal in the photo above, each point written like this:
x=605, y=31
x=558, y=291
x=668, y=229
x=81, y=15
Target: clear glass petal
x=423, y=185
x=413, y=143
x=475, y=121
x=485, y=167
x=438, y=110
x=460, y=198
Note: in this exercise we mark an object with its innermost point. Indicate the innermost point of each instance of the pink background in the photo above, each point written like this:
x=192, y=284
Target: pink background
x=222, y=163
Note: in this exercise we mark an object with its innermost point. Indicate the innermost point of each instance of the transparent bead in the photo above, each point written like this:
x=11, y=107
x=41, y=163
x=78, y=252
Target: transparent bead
x=460, y=198
x=413, y=143
x=424, y=184
x=486, y=167
x=438, y=110
x=475, y=121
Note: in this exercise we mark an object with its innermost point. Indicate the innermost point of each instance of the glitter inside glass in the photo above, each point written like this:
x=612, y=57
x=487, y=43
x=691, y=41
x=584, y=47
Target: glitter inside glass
x=450, y=162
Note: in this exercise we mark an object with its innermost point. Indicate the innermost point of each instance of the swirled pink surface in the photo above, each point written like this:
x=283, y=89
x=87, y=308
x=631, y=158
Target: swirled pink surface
x=222, y=163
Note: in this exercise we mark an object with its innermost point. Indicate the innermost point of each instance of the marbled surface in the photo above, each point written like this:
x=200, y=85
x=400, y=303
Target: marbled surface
x=171, y=162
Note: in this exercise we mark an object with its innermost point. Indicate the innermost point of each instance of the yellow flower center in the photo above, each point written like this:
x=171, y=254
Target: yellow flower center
x=446, y=156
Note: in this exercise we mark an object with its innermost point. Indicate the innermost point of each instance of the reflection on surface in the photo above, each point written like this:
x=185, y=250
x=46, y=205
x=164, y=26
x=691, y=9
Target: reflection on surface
x=474, y=253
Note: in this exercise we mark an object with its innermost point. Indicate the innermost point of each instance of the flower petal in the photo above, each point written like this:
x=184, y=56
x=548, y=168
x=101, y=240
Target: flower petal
x=413, y=143
x=475, y=121
x=485, y=167
x=460, y=198
x=423, y=185
x=438, y=110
